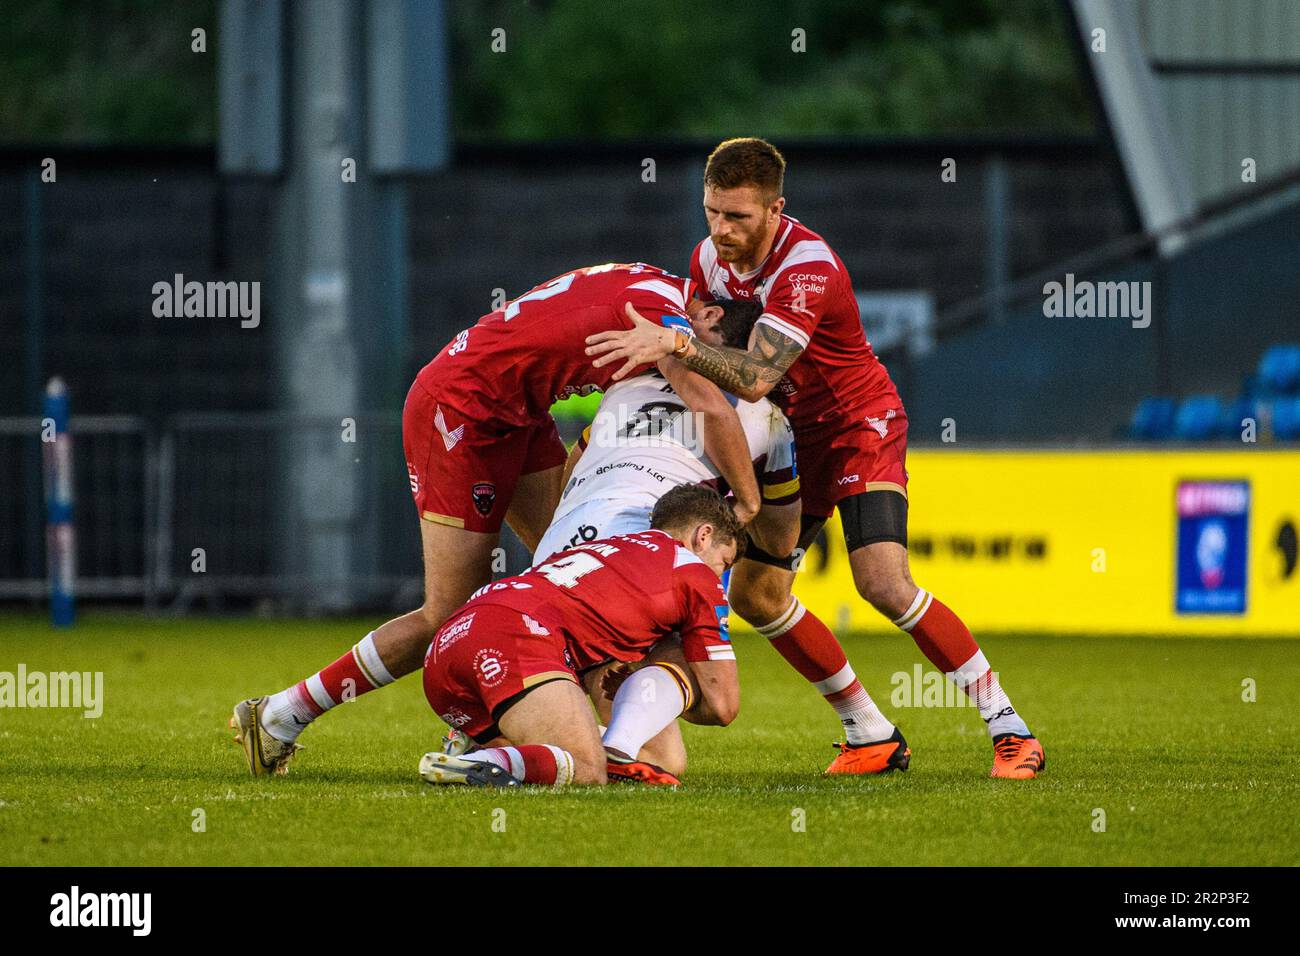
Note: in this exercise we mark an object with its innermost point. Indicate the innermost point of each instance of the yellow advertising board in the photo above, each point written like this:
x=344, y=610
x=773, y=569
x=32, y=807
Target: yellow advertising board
x=1117, y=541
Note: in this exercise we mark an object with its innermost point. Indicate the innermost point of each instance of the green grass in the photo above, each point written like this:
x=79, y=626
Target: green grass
x=1152, y=731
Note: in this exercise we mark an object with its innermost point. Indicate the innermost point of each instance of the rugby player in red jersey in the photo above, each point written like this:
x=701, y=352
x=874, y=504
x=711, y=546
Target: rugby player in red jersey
x=809, y=354
x=481, y=447
x=515, y=666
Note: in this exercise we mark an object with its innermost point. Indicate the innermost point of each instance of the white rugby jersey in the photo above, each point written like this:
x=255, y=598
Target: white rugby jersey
x=644, y=441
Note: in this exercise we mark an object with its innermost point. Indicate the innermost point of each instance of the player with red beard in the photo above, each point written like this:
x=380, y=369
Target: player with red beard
x=809, y=354
x=481, y=448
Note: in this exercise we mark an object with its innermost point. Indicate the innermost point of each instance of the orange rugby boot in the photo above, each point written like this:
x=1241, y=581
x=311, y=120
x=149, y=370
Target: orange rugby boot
x=621, y=770
x=1016, y=757
x=882, y=756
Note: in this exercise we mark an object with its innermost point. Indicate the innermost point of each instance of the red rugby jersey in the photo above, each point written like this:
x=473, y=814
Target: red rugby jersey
x=615, y=598
x=515, y=362
x=806, y=294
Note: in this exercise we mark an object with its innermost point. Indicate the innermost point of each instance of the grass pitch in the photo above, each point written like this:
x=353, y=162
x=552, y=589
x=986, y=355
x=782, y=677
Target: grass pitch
x=1151, y=731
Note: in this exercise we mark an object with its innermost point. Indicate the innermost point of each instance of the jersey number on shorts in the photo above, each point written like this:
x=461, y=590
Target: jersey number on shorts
x=565, y=572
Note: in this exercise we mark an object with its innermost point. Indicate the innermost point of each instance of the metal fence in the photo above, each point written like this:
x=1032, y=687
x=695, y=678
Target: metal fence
x=199, y=509
x=231, y=514
x=115, y=475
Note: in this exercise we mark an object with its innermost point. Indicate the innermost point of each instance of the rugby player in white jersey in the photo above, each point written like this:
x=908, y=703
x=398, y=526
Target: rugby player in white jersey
x=642, y=443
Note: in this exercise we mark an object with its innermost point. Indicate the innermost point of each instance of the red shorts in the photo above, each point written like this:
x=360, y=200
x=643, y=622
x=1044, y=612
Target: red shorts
x=463, y=473
x=484, y=658
x=867, y=454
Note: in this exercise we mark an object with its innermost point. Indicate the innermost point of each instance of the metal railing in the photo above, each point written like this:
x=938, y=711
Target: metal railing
x=115, y=478
x=196, y=510
x=229, y=500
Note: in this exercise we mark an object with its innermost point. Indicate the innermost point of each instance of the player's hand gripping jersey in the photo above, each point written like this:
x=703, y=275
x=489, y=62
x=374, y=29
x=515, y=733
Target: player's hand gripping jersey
x=848, y=421
x=477, y=417
x=643, y=442
x=608, y=600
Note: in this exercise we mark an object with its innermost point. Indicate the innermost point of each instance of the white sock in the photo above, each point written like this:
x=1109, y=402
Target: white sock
x=511, y=761
x=507, y=758
x=647, y=702
x=981, y=685
x=863, y=722
x=278, y=716
x=287, y=714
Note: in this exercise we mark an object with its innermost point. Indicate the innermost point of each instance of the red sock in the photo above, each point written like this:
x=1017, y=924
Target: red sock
x=531, y=763
x=938, y=632
x=808, y=644
x=357, y=672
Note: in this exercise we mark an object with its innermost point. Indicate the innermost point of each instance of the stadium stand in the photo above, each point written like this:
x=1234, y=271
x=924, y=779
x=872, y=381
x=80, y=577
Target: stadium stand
x=1153, y=419
x=1286, y=419
x=1271, y=396
x=1279, y=370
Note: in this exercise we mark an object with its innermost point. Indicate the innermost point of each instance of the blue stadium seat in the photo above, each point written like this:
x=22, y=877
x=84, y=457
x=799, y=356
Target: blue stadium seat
x=1153, y=419
x=1198, y=418
x=1233, y=413
x=1279, y=370
x=1286, y=419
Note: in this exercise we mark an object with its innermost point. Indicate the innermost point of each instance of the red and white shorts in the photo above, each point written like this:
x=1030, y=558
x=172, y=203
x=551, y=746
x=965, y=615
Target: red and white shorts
x=868, y=453
x=462, y=473
x=484, y=659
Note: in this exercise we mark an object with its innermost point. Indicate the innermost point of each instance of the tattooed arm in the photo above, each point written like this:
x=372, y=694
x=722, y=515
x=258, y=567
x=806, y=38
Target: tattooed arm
x=749, y=375
x=723, y=436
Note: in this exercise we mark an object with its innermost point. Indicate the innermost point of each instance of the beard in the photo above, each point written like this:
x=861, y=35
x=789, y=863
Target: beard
x=732, y=251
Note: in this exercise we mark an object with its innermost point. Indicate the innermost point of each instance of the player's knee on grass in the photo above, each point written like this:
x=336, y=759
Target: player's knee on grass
x=590, y=772
x=666, y=750
x=558, y=713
